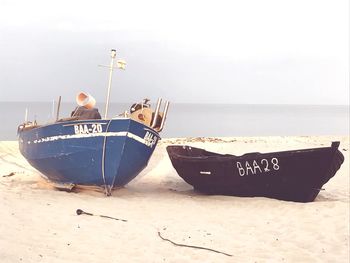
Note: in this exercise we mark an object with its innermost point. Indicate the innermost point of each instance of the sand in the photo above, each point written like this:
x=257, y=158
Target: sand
x=40, y=224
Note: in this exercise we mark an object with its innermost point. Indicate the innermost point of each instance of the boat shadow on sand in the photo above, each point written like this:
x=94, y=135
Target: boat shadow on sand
x=141, y=188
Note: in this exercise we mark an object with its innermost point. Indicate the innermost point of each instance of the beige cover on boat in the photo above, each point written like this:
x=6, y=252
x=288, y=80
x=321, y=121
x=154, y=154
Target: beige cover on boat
x=145, y=116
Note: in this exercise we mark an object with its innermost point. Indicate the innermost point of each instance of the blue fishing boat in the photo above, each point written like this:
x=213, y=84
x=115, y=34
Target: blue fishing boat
x=106, y=152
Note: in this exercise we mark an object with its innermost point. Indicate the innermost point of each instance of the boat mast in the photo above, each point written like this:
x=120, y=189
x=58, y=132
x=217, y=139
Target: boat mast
x=111, y=67
x=121, y=65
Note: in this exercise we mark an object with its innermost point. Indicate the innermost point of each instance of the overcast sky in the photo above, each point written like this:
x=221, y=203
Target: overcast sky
x=244, y=51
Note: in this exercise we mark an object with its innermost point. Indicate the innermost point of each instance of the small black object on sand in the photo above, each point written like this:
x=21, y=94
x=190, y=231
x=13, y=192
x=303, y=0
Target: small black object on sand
x=8, y=175
x=81, y=212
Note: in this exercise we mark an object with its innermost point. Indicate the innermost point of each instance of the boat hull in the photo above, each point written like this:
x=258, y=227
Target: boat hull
x=89, y=152
x=290, y=175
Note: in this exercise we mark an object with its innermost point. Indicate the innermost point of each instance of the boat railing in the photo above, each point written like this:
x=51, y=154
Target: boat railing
x=165, y=112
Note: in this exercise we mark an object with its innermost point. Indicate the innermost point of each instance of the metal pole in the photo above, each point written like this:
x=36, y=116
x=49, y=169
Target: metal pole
x=111, y=66
x=58, y=108
x=26, y=116
x=165, y=113
x=154, y=122
x=53, y=109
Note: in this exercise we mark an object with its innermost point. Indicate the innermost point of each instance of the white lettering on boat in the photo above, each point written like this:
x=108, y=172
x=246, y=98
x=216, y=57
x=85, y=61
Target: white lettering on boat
x=274, y=162
x=87, y=128
x=256, y=167
x=248, y=168
x=150, y=139
x=240, y=169
x=266, y=164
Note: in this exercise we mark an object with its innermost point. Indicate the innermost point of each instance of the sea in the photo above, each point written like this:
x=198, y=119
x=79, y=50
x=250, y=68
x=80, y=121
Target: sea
x=203, y=120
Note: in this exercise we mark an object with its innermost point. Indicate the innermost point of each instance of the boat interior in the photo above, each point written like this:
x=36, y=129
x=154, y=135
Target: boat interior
x=140, y=112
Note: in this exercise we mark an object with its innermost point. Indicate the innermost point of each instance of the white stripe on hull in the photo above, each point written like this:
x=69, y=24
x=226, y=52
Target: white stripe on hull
x=146, y=141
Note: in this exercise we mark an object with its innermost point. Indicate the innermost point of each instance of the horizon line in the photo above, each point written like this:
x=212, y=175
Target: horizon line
x=196, y=103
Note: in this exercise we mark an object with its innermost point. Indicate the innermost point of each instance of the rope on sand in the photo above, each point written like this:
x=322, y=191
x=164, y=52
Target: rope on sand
x=182, y=245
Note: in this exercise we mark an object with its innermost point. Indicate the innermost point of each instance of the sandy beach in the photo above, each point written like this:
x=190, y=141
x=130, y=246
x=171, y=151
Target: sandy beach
x=40, y=224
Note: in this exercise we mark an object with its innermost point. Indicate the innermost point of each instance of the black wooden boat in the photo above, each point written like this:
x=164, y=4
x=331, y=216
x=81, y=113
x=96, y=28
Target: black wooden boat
x=289, y=175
